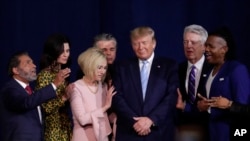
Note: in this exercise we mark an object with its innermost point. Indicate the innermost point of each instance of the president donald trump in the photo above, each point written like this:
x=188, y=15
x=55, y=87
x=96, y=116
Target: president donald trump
x=146, y=92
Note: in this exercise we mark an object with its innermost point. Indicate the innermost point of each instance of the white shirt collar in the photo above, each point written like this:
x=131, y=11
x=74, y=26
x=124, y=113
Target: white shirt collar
x=150, y=59
x=198, y=65
x=21, y=83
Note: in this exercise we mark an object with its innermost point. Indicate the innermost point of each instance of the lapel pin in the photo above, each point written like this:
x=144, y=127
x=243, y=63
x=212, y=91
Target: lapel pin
x=221, y=79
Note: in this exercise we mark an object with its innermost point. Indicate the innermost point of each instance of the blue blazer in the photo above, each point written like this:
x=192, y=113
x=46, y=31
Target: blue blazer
x=19, y=120
x=159, y=103
x=232, y=82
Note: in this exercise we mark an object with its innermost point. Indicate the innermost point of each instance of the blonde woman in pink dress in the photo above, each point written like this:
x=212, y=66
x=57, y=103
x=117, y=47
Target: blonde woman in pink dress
x=90, y=98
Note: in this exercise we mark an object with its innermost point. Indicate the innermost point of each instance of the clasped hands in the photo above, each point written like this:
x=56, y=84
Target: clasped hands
x=142, y=125
x=218, y=102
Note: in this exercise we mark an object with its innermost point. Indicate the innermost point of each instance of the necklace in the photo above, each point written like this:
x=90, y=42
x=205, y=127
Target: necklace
x=89, y=88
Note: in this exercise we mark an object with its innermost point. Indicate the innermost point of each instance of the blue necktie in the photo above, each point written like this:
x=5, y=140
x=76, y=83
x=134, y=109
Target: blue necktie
x=191, y=85
x=144, y=78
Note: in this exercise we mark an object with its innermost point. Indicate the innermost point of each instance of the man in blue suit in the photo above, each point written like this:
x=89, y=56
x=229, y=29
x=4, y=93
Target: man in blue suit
x=20, y=118
x=145, y=114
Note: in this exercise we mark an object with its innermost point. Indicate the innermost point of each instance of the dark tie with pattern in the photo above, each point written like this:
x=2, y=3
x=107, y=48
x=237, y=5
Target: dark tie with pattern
x=191, y=85
x=28, y=89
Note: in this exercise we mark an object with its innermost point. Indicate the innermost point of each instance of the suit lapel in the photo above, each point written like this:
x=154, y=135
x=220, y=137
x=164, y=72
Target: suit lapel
x=182, y=77
x=17, y=85
x=135, y=76
x=219, y=78
x=206, y=69
x=152, y=80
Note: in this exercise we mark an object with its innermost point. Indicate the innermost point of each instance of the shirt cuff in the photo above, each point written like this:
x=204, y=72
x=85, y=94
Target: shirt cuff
x=54, y=86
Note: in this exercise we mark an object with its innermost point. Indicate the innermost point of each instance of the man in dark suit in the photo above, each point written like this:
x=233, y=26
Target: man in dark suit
x=191, y=122
x=108, y=44
x=20, y=118
x=145, y=114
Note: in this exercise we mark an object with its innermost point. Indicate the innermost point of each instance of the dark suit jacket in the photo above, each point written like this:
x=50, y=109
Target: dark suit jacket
x=19, y=114
x=159, y=104
x=232, y=82
x=191, y=114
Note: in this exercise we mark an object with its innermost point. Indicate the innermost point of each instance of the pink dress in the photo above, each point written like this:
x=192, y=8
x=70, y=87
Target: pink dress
x=90, y=123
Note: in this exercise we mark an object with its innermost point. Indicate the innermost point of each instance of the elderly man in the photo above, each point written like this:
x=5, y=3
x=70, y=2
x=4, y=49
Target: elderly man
x=192, y=74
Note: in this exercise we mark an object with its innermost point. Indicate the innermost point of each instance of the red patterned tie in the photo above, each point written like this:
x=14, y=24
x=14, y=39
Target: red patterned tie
x=28, y=89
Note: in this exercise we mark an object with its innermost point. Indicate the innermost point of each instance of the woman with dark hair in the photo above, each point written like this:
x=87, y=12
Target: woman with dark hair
x=55, y=57
x=228, y=78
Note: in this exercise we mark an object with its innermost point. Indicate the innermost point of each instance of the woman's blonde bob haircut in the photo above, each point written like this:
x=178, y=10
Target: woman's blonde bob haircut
x=89, y=61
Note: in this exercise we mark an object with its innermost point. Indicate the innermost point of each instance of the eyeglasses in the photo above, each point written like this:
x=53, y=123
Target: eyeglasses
x=186, y=42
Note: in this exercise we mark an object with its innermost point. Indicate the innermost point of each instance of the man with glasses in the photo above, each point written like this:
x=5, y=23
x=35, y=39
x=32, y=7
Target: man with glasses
x=190, y=120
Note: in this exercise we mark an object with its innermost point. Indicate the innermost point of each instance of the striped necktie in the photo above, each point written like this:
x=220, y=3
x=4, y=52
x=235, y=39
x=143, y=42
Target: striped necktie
x=191, y=85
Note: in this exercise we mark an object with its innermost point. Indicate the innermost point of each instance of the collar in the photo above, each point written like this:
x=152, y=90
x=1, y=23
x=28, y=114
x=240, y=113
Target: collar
x=198, y=65
x=21, y=83
x=150, y=59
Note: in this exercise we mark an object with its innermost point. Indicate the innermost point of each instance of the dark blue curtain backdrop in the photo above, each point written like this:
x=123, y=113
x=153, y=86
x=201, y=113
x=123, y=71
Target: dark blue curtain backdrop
x=25, y=24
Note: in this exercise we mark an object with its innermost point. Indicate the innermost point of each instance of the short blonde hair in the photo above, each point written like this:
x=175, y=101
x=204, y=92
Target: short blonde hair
x=141, y=32
x=89, y=61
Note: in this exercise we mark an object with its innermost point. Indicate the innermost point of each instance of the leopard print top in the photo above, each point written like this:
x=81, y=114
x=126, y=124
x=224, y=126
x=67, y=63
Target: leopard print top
x=56, y=118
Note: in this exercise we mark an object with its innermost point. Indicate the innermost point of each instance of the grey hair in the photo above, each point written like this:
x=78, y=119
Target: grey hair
x=197, y=29
x=104, y=37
